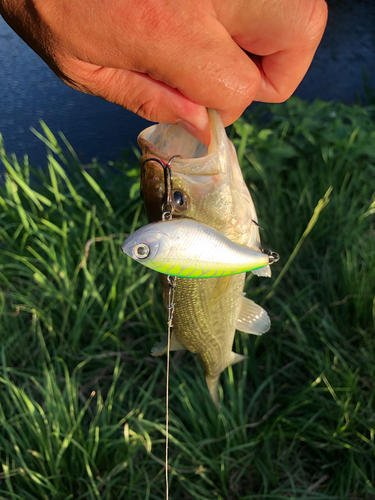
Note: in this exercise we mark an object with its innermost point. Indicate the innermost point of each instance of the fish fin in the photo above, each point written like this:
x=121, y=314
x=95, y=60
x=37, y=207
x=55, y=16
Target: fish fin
x=213, y=382
x=213, y=387
x=252, y=318
x=176, y=344
x=160, y=348
x=236, y=358
x=263, y=271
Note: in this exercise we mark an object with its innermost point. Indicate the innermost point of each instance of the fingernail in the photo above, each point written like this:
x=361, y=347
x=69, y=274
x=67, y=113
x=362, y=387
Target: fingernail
x=203, y=133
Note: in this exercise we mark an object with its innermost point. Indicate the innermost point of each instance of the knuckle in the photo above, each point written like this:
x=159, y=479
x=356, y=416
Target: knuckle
x=147, y=109
x=315, y=19
x=100, y=82
x=236, y=83
x=245, y=89
x=117, y=87
x=74, y=73
x=134, y=98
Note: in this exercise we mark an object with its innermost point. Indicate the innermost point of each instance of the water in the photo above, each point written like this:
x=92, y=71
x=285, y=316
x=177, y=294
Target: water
x=30, y=91
x=345, y=55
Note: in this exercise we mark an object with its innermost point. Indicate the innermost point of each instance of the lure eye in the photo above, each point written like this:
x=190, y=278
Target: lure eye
x=141, y=251
x=179, y=200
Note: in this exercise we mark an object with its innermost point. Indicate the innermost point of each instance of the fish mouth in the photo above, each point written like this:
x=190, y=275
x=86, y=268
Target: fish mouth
x=193, y=174
x=164, y=140
x=206, y=183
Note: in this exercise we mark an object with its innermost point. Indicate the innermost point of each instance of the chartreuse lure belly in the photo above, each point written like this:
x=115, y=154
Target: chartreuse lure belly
x=190, y=249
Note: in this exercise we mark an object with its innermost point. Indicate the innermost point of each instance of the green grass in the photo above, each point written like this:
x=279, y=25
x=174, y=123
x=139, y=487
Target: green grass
x=82, y=409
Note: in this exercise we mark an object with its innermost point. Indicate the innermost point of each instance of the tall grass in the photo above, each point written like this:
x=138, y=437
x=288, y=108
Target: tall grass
x=82, y=402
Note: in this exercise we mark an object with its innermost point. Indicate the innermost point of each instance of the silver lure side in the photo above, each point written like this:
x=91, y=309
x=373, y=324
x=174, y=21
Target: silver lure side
x=190, y=249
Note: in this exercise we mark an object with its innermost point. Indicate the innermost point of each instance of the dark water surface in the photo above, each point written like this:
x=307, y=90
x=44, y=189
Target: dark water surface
x=29, y=91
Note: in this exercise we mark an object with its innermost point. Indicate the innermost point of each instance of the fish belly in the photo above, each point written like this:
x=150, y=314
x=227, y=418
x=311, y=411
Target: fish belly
x=205, y=316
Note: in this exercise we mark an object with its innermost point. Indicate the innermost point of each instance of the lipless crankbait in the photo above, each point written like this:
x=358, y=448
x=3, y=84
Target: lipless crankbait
x=189, y=249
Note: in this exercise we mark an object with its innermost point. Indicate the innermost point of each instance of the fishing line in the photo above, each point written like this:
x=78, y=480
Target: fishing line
x=167, y=418
x=167, y=211
x=172, y=286
x=167, y=215
x=171, y=280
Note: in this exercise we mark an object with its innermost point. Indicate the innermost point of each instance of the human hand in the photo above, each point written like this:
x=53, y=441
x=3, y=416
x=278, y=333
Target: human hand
x=169, y=60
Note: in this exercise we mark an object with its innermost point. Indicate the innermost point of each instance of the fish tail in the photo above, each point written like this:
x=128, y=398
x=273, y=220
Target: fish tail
x=213, y=382
x=213, y=387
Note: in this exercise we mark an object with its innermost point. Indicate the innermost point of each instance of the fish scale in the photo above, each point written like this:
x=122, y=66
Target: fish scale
x=203, y=312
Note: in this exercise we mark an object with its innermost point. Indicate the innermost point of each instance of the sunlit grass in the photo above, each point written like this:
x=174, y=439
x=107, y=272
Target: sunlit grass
x=82, y=411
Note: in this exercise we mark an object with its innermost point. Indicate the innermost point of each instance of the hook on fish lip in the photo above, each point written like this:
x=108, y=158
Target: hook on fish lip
x=167, y=206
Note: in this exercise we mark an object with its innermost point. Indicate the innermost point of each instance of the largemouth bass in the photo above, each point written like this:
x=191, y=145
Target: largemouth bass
x=190, y=249
x=208, y=186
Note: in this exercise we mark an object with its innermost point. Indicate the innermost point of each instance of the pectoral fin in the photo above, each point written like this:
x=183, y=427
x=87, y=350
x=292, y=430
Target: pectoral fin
x=160, y=348
x=252, y=318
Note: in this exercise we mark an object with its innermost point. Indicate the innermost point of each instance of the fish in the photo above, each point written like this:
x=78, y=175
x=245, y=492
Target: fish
x=207, y=186
x=190, y=249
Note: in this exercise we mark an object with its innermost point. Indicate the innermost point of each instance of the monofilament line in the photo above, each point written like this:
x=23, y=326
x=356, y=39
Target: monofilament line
x=172, y=286
x=167, y=414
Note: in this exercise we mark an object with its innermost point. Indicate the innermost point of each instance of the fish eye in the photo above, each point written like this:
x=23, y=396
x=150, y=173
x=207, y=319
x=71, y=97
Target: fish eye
x=141, y=251
x=179, y=199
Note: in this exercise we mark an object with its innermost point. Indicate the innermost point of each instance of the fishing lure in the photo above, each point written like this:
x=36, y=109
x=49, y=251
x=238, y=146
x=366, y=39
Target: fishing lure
x=189, y=249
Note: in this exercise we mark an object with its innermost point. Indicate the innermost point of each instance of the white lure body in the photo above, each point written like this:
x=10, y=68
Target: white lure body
x=190, y=249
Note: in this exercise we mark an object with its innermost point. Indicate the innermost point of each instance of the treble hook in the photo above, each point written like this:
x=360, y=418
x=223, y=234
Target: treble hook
x=167, y=207
x=273, y=256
